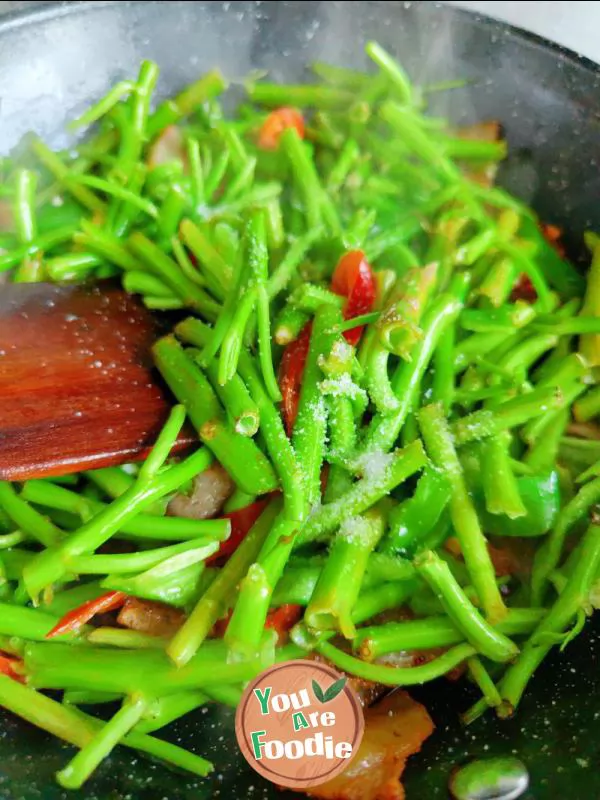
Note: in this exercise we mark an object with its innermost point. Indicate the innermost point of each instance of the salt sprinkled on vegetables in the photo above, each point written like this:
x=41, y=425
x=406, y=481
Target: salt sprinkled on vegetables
x=354, y=529
x=343, y=386
x=374, y=465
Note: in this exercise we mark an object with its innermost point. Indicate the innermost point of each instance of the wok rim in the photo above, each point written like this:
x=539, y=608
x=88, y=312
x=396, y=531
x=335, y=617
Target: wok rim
x=24, y=17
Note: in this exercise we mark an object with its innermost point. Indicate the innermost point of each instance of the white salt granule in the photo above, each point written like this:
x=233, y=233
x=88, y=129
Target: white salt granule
x=354, y=529
x=343, y=386
x=373, y=466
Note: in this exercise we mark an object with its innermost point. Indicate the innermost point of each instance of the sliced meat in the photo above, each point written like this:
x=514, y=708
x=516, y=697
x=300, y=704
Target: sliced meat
x=583, y=430
x=490, y=131
x=150, y=617
x=510, y=556
x=168, y=146
x=368, y=691
x=209, y=492
x=395, y=728
x=6, y=216
x=485, y=176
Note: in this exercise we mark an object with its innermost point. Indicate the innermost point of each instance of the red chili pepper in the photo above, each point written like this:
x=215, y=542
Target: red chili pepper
x=77, y=618
x=291, y=371
x=524, y=290
x=276, y=123
x=220, y=626
x=241, y=521
x=353, y=278
x=283, y=618
x=553, y=235
x=7, y=667
x=280, y=619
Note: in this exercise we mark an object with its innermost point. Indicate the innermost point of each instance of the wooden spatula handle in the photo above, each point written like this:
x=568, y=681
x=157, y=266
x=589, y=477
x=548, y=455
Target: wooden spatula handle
x=77, y=387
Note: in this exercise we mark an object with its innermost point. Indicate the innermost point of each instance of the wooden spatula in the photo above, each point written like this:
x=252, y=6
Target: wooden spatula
x=77, y=388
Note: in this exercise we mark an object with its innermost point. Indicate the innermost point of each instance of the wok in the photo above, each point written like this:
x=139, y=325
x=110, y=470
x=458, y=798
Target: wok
x=59, y=58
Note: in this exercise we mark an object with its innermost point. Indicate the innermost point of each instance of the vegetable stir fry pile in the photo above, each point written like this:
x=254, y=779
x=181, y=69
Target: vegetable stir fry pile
x=390, y=366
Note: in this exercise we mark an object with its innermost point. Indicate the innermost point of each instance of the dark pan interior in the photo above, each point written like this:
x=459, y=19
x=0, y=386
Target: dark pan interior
x=55, y=61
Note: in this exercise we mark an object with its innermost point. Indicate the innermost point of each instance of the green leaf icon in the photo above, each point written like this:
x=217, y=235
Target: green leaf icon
x=330, y=693
x=318, y=692
x=335, y=689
